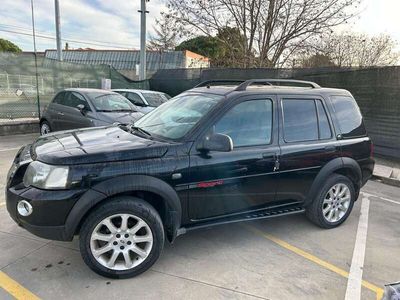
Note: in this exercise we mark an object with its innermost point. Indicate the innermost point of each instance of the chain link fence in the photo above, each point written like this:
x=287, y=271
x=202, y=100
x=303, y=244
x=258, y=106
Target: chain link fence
x=23, y=91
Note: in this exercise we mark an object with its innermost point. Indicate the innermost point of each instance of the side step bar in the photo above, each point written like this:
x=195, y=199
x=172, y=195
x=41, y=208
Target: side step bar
x=271, y=213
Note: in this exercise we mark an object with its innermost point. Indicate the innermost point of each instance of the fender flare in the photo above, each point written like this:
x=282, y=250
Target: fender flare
x=332, y=166
x=126, y=183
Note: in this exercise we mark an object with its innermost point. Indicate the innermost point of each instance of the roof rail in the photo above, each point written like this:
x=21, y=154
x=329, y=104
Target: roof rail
x=243, y=86
x=209, y=82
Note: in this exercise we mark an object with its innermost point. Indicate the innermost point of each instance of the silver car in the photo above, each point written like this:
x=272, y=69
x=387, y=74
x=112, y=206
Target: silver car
x=145, y=100
x=78, y=108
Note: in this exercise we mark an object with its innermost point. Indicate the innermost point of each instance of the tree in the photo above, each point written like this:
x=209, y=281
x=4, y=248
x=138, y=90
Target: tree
x=316, y=61
x=7, y=46
x=166, y=35
x=272, y=29
x=224, y=50
x=349, y=49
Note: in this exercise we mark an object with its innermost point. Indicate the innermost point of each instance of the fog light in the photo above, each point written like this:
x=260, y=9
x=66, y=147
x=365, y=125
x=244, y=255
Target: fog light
x=24, y=208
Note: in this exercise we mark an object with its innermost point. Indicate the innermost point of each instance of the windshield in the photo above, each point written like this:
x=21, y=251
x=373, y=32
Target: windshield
x=154, y=99
x=175, y=118
x=110, y=102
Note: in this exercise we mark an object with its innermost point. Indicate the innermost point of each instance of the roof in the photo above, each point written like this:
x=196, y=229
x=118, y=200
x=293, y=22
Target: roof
x=88, y=90
x=137, y=91
x=123, y=59
x=270, y=89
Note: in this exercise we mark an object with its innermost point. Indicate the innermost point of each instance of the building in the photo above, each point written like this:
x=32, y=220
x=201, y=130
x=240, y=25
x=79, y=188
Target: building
x=126, y=61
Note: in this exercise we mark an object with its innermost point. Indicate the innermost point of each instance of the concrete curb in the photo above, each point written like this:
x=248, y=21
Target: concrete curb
x=13, y=127
x=387, y=175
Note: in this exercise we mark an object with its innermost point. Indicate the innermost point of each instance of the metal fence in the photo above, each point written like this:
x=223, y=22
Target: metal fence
x=18, y=91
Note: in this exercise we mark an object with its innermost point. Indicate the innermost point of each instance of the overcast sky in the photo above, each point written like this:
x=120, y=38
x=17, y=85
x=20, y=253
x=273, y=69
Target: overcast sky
x=115, y=23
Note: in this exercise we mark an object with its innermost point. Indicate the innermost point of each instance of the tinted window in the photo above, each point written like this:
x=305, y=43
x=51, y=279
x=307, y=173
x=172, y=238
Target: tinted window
x=248, y=123
x=134, y=98
x=300, y=120
x=59, y=99
x=348, y=116
x=74, y=99
x=324, y=127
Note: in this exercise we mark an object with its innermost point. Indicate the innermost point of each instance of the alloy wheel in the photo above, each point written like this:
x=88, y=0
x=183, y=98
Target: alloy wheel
x=336, y=202
x=121, y=242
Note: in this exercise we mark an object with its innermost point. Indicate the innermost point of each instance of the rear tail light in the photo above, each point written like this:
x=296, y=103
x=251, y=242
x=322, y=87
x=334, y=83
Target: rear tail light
x=371, y=150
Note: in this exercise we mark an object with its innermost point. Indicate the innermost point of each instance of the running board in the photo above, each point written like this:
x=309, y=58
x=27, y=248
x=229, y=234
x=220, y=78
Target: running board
x=271, y=213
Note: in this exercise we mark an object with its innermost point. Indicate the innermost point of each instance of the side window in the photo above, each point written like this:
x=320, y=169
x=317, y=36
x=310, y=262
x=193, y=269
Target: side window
x=74, y=99
x=135, y=99
x=299, y=120
x=59, y=99
x=349, y=116
x=323, y=122
x=248, y=123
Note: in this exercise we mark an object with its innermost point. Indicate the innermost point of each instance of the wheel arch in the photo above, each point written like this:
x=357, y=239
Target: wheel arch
x=153, y=190
x=342, y=165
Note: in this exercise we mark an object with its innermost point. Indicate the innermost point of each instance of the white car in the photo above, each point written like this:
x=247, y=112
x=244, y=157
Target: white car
x=145, y=100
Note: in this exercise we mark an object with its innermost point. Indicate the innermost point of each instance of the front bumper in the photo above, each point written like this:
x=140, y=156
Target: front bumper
x=50, y=210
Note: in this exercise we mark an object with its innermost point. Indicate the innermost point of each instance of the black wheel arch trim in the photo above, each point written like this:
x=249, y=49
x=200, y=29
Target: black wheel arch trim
x=339, y=163
x=121, y=184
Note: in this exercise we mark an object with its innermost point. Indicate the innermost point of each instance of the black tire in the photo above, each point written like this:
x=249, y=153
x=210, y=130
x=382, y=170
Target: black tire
x=314, y=210
x=122, y=205
x=42, y=124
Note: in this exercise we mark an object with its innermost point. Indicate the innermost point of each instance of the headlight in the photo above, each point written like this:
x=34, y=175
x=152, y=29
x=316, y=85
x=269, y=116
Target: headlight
x=45, y=176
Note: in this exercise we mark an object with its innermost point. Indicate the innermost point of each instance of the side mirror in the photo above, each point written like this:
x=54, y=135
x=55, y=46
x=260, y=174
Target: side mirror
x=82, y=109
x=216, y=142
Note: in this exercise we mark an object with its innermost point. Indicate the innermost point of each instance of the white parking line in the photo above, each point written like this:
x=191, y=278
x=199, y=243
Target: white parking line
x=382, y=198
x=353, y=290
x=10, y=149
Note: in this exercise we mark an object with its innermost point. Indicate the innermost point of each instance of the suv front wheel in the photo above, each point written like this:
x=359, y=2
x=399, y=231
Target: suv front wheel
x=334, y=202
x=122, y=238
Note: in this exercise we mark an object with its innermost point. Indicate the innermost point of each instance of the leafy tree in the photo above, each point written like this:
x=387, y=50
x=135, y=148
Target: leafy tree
x=7, y=46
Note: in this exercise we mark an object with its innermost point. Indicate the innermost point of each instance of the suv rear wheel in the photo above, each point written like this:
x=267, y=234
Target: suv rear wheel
x=334, y=202
x=122, y=238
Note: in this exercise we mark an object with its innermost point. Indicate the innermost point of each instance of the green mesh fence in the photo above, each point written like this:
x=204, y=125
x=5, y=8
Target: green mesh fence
x=18, y=91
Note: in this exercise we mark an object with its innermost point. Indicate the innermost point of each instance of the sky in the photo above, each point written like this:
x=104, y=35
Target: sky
x=115, y=24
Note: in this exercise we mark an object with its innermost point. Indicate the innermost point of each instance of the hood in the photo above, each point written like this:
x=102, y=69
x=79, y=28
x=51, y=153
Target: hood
x=120, y=117
x=95, y=145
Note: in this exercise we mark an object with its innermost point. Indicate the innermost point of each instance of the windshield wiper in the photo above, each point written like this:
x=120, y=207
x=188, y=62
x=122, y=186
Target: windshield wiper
x=141, y=130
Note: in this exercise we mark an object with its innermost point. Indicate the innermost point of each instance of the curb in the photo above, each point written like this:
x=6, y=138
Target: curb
x=386, y=180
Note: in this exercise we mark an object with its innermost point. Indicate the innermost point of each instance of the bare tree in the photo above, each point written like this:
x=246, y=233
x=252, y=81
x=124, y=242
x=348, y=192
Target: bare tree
x=349, y=49
x=272, y=29
x=166, y=35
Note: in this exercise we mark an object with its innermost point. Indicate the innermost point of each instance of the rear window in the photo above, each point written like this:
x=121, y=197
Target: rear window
x=154, y=99
x=348, y=116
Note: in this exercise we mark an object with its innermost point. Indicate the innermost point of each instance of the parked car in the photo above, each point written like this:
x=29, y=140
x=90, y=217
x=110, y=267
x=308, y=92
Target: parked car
x=144, y=99
x=212, y=155
x=79, y=108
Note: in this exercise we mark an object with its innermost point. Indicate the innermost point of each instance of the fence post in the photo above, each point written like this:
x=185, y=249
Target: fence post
x=8, y=83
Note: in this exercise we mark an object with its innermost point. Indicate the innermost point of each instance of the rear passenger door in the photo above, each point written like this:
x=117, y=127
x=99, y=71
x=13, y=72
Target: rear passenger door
x=307, y=142
x=53, y=111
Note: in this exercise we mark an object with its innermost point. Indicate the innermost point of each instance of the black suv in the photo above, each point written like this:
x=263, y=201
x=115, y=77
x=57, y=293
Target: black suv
x=212, y=155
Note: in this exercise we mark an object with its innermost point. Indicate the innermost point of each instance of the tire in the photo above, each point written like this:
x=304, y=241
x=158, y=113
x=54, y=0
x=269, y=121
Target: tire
x=318, y=211
x=45, y=128
x=124, y=242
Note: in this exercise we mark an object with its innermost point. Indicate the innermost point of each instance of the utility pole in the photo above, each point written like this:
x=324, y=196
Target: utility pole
x=35, y=54
x=58, y=31
x=142, y=66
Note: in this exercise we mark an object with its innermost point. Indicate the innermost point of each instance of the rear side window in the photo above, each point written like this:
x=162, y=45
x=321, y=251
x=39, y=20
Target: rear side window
x=348, y=116
x=305, y=120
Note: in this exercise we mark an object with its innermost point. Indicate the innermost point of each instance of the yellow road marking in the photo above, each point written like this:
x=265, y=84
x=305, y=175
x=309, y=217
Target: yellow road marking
x=377, y=290
x=15, y=289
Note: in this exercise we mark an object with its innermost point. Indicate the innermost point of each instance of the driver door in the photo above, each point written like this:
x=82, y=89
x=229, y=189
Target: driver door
x=245, y=179
x=71, y=117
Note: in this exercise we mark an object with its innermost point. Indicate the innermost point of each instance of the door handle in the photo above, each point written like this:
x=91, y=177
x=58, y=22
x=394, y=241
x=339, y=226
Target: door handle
x=269, y=155
x=240, y=170
x=60, y=113
x=330, y=148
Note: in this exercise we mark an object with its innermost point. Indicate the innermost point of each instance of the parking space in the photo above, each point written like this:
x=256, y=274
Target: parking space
x=281, y=258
